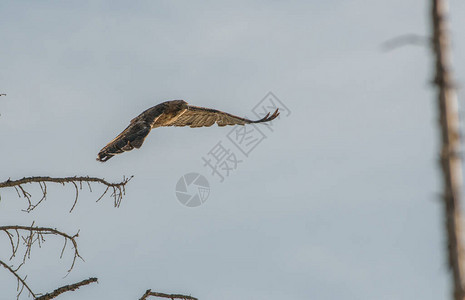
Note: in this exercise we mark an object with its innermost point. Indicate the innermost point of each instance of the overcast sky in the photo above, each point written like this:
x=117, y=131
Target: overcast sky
x=340, y=200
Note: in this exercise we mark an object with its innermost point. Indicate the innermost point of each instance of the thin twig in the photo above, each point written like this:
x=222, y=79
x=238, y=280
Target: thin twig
x=19, y=279
x=36, y=234
x=410, y=39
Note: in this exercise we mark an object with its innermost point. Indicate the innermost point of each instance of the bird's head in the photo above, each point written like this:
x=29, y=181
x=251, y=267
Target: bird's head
x=179, y=103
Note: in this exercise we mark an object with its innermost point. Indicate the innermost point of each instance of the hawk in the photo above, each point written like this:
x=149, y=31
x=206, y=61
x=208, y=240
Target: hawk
x=170, y=113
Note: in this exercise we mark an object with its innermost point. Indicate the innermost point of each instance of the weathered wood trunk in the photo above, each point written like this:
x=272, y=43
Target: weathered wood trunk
x=450, y=150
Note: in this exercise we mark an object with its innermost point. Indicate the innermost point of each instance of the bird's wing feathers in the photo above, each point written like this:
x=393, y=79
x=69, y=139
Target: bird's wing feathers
x=132, y=137
x=204, y=117
x=171, y=113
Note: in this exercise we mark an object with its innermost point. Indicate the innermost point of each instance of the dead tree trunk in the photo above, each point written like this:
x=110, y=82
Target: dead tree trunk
x=450, y=151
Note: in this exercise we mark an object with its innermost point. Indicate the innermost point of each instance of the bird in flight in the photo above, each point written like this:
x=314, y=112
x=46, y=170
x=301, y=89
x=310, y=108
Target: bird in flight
x=170, y=113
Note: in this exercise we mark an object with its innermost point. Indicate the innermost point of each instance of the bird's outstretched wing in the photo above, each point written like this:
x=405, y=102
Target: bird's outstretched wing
x=196, y=116
x=132, y=137
x=170, y=113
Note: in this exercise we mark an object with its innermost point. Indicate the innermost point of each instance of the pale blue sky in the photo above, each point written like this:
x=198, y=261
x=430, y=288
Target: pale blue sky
x=340, y=201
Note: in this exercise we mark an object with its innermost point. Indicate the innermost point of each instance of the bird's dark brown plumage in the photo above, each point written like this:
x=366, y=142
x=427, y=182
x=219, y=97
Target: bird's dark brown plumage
x=170, y=113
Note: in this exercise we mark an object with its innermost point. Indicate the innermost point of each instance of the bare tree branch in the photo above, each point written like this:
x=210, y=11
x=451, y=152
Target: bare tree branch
x=118, y=189
x=66, y=288
x=21, y=281
x=30, y=235
x=450, y=152
x=34, y=235
x=169, y=296
x=410, y=39
x=22, y=284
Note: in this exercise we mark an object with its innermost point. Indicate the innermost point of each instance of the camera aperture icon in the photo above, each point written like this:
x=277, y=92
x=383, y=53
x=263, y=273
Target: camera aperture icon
x=192, y=189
